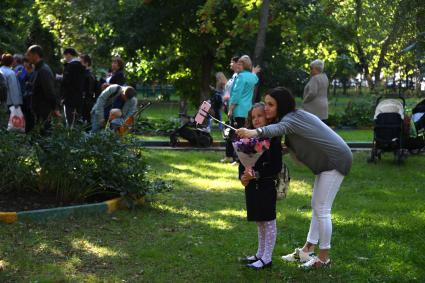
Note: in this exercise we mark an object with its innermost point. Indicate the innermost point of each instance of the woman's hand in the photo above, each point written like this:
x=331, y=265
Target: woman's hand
x=256, y=69
x=246, y=133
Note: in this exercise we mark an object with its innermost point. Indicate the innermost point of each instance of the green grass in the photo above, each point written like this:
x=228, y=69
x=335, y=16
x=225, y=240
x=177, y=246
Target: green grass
x=196, y=232
x=363, y=135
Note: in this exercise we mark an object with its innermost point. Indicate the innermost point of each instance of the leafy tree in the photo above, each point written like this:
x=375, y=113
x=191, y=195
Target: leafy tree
x=14, y=24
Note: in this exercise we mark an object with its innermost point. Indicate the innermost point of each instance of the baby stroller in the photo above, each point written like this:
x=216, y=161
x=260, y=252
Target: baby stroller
x=198, y=136
x=416, y=141
x=388, y=132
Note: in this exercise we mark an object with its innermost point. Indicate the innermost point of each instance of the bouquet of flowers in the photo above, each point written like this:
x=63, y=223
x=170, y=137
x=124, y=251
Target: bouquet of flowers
x=250, y=150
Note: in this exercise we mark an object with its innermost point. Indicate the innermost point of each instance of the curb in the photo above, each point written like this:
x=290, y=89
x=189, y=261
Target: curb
x=106, y=207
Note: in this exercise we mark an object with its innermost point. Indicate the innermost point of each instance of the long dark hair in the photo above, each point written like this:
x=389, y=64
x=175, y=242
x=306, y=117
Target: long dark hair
x=284, y=99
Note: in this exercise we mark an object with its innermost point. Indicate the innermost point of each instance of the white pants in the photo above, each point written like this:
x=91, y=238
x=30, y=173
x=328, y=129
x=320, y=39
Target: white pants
x=326, y=185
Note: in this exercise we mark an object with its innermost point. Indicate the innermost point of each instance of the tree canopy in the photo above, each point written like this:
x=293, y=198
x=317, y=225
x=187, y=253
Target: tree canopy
x=186, y=42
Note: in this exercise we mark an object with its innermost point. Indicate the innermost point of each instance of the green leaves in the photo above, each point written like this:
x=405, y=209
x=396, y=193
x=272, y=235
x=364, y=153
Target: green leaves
x=75, y=166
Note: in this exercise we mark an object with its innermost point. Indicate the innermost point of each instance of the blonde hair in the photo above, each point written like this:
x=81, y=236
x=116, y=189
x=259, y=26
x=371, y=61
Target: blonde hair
x=221, y=81
x=115, y=113
x=246, y=62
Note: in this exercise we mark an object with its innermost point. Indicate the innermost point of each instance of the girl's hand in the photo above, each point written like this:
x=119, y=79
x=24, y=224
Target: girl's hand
x=245, y=133
x=246, y=177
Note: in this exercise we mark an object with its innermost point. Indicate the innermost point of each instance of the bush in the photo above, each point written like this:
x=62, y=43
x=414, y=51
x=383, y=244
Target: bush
x=358, y=113
x=159, y=127
x=18, y=164
x=76, y=166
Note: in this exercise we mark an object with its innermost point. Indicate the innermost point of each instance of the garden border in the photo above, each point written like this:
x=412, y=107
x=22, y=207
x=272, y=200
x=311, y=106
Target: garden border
x=107, y=207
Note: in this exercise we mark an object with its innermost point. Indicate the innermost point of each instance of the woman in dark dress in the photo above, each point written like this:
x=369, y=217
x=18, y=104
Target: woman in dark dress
x=260, y=192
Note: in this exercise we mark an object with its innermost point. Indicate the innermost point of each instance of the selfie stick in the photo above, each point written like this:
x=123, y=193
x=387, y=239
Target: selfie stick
x=224, y=124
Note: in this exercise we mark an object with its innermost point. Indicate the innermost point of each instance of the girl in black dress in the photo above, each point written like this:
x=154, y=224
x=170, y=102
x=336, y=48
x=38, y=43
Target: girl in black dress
x=260, y=192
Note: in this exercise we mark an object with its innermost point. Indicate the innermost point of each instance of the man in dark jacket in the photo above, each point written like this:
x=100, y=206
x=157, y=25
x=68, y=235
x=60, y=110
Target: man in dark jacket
x=72, y=85
x=44, y=100
x=90, y=89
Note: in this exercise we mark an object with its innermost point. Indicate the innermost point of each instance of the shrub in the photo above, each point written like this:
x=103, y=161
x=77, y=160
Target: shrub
x=357, y=113
x=18, y=164
x=80, y=166
x=159, y=127
x=76, y=166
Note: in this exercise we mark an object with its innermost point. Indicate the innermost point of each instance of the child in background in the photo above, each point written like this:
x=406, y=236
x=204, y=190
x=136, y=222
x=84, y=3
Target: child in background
x=115, y=119
x=260, y=192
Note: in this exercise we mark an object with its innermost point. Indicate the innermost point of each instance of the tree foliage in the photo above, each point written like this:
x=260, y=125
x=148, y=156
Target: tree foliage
x=186, y=42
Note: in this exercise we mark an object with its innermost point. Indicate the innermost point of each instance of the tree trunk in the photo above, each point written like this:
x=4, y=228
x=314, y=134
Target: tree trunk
x=262, y=30
x=360, y=52
x=420, y=40
x=207, y=63
x=261, y=43
x=384, y=50
x=399, y=17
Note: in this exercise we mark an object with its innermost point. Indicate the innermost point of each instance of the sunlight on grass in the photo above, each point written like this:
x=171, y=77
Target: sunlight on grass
x=232, y=212
x=184, y=211
x=219, y=224
x=205, y=179
x=45, y=248
x=93, y=249
x=419, y=214
x=201, y=217
x=3, y=264
x=300, y=187
x=71, y=264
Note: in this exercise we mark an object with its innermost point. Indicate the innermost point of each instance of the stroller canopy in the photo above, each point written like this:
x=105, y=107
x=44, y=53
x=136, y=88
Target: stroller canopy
x=389, y=106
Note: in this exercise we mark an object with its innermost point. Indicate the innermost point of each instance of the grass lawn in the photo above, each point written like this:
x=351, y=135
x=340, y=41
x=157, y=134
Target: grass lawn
x=196, y=232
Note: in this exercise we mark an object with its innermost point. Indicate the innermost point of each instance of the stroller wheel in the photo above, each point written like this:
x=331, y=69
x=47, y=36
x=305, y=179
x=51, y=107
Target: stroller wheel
x=399, y=156
x=414, y=151
x=204, y=140
x=372, y=157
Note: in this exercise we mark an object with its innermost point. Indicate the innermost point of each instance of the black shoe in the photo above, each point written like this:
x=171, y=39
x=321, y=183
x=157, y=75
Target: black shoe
x=268, y=265
x=247, y=260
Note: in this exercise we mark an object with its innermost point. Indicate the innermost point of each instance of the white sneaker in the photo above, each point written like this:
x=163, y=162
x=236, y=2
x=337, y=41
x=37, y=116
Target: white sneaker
x=298, y=256
x=315, y=263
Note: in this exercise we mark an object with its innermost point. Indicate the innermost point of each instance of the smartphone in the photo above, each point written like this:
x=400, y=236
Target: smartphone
x=202, y=112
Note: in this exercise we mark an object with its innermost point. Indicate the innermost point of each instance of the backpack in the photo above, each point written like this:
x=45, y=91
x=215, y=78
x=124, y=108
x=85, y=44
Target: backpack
x=3, y=89
x=282, y=182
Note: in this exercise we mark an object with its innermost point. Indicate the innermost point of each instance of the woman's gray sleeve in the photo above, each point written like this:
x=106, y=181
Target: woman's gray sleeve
x=275, y=130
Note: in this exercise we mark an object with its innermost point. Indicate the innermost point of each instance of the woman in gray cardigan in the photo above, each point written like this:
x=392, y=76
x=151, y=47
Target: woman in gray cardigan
x=323, y=152
x=315, y=96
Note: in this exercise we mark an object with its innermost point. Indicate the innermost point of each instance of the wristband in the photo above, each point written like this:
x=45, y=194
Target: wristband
x=259, y=132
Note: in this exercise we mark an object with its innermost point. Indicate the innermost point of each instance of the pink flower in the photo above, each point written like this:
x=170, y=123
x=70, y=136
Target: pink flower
x=258, y=147
x=266, y=143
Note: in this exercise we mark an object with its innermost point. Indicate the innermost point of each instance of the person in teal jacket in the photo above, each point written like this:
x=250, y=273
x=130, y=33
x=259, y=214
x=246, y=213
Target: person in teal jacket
x=240, y=101
x=243, y=90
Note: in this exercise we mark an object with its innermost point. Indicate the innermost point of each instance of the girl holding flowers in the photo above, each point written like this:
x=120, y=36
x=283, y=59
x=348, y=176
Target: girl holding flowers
x=323, y=152
x=260, y=187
